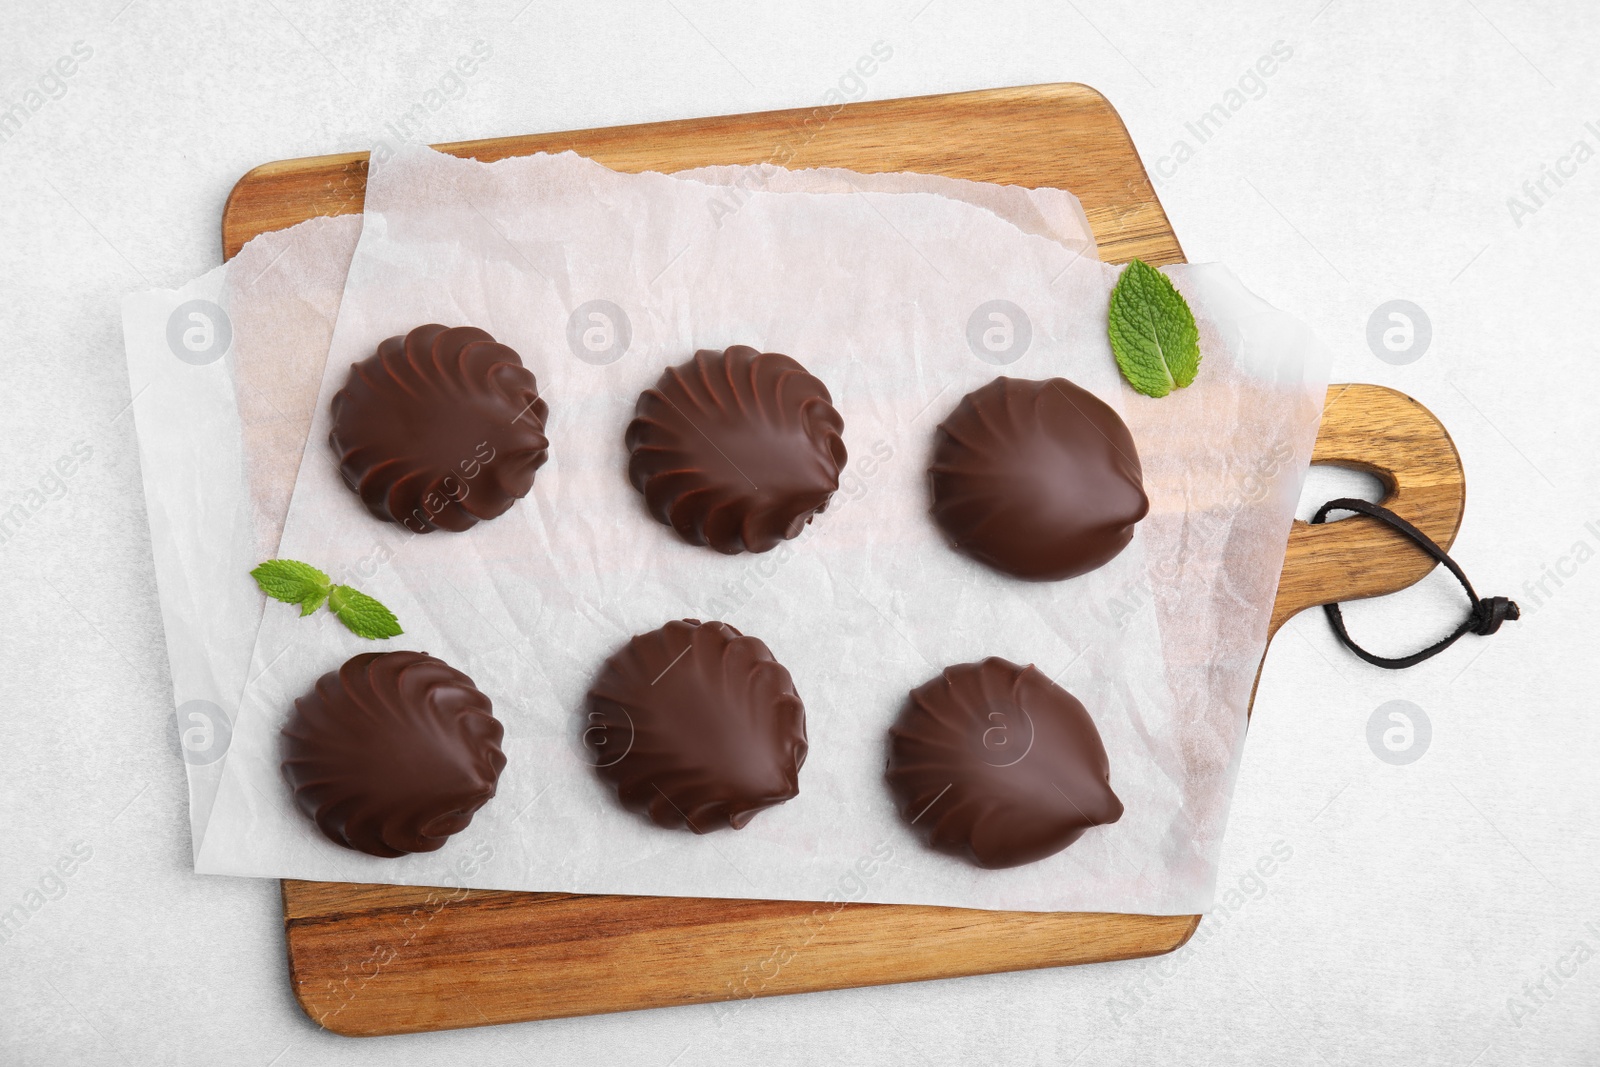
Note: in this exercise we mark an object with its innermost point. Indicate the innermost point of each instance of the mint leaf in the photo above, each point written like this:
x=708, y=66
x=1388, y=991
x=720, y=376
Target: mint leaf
x=362, y=615
x=1153, y=334
x=293, y=582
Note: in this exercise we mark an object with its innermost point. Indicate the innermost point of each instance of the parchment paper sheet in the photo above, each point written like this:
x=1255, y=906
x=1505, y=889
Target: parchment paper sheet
x=222, y=438
x=873, y=293
x=865, y=605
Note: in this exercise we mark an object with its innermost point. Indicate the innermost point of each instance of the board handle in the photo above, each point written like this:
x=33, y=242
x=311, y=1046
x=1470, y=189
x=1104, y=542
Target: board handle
x=1391, y=436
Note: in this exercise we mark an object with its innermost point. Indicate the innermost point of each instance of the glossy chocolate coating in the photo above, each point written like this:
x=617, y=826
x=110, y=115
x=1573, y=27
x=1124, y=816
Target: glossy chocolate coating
x=1038, y=479
x=439, y=429
x=696, y=725
x=392, y=753
x=997, y=764
x=737, y=449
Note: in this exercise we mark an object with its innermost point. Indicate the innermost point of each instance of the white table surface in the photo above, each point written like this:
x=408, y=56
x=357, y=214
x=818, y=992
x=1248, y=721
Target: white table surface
x=1446, y=911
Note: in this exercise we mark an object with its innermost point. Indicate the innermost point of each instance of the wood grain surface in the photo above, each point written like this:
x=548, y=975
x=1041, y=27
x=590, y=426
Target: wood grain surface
x=369, y=959
x=1061, y=136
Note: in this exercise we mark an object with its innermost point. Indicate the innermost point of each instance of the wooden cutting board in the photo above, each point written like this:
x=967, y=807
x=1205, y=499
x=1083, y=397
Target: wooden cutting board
x=368, y=959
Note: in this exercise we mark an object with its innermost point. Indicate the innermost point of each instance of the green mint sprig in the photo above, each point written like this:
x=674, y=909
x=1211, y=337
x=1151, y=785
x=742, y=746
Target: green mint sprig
x=294, y=582
x=1153, y=333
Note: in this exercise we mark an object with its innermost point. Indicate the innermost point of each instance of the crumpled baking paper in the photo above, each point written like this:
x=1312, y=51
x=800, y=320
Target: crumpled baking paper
x=224, y=375
x=221, y=445
x=876, y=294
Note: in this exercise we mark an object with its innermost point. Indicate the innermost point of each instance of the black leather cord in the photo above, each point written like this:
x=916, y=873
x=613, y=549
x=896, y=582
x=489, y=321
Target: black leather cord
x=1484, y=619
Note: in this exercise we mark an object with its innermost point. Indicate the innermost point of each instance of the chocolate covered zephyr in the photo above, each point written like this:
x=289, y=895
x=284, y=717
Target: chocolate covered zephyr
x=439, y=429
x=737, y=449
x=696, y=726
x=1038, y=479
x=392, y=753
x=996, y=764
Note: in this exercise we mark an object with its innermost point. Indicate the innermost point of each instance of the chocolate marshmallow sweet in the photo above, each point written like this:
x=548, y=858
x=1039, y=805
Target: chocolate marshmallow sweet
x=1038, y=479
x=392, y=753
x=697, y=726
x=998, y=765
x=737, y=450
x=439, y=429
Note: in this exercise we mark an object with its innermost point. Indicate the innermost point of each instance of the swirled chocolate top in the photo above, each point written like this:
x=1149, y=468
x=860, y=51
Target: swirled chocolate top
x=996, y=764
x=697, y=726
x=392, y=753
x=736, y=449
x=439, y=429
x=1038, y=479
